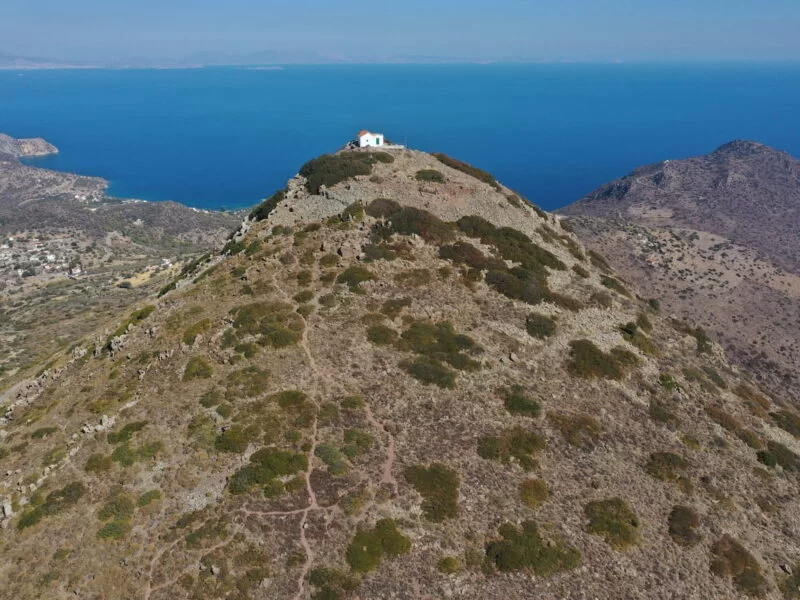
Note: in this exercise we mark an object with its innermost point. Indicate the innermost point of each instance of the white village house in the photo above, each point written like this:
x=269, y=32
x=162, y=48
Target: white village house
x=367, y=139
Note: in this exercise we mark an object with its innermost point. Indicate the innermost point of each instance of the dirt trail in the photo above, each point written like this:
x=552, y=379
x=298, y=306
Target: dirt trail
x=387, y=476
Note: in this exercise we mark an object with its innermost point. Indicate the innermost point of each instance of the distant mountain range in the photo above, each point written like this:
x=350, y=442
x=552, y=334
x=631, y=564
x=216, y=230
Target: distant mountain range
x=220, y=59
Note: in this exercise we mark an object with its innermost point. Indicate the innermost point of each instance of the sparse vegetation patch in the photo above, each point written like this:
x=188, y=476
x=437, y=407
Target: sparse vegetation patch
x=614, y=521
x=365, y=552
x=438, y=485
x=524, y=548
x=732, y=561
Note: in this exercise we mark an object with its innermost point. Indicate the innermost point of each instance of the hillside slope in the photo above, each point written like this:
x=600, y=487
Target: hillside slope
x=717, y=239
x=381, y=390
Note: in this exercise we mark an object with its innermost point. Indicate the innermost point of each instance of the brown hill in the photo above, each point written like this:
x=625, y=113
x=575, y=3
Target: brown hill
x=717, y=239
x=401, y=381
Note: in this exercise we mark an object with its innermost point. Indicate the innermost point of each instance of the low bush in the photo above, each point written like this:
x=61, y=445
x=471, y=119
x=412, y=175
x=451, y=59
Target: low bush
x=406, y=220
x=430, y=176
x=352, y=402
x=263, y=210
x=380, y=335
x=375, y=252
x=56, y=502
x=661, y=414
x=126, y=433
x=266, y=466
x=615, y=285
x=43, y=432
x=602, y=299
x=190, y=335
x=330, y=169
x=540, y=326
x=614, y=521
x=599, y=261
x=466, y=254
x=790, y=585
x=414, y=277
x=235, y=439
x=524, y=548
x=517, y=402
x=148, y=498
x=118, y=507
x=732, y=561
x=114, y=530
x=579, y=429
x=246, y=383
x=475, y=172
x=332, y=458
x=332, y=584
x=666, y=466
x=589, y=362
x=98, y=463
x=368, y=547
x=448, y=565
x=580, y=271
x=197, y=368
x=353, y=277
x=534, y=492
x=304, y=296
x=357, y=442
x=778, y=454
x=516, y=443
x=438, y=485
x=430, y=371
x=788, y=421
x=392, y=308
x=683, y=524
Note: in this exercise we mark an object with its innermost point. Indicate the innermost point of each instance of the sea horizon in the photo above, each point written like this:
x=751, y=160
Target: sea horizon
x=225, y=137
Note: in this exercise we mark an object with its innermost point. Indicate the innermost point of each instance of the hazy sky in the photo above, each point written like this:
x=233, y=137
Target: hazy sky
x=373, y=29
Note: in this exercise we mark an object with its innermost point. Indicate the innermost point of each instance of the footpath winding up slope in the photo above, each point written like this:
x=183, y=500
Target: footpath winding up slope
x=399, y=381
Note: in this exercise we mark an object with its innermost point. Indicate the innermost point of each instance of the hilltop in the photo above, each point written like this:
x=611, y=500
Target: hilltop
x=716, y=238
x=398, y=379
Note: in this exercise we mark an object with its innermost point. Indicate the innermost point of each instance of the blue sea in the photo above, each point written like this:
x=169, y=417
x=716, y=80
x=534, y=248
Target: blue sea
x=228, y=137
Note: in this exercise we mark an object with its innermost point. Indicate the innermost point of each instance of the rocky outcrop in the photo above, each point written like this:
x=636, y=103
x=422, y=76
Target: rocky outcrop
x=21, y=148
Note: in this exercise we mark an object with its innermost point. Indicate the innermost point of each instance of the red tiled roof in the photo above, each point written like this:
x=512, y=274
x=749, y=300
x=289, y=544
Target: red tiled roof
x=364, y=132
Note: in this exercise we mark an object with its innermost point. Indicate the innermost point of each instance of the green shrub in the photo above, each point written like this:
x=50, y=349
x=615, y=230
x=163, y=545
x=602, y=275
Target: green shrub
x=331, y=583
x=683, y=524
x=732, y=561
x=304, y=296
x=602, y=299
x=643, y=322
x=365, y=552
x=406, y=220
x=468, y=169
x=790, y=585
x=578, y=429
x=589, y=362
x=778, y=454
x=524, y=548
x=598, y=261
x=357, y=442
x=667, y=381
x=127, y=456
x=56, y=502
x=352, y=402
x=614, y=285
x=666, y=466
x=661, y=414
x=262, y=211
x=725, y=420
x=392, y=308
x=540, y=326
x=466, y=254
x=332, y=457
x=375, y=252
x=236, y=439
x=534, y=492
x=715, y=377
x=289, y=399
x=438, y=485
x=430, y=371
x=448, y=565
x=440, y=342
x=246, y=383
x=514, y=443
x=580, y=271
x=429, y=175
x=614, y=521
x=788, y=421
x=126, y=433
x=414, y=277
x=517, y=401
x=148, y=498
x=330, y=169
x=119, y=507
x=114, y=530
x=353, y=277
x=266, y=466
x=98, y=463
x=43, y=432
x=197, y=368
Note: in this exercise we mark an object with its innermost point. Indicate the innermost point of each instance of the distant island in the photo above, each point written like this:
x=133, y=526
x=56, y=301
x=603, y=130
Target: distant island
x=23, y=148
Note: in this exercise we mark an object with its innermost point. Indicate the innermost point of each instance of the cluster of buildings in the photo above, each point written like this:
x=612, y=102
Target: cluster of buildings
x=28, y=256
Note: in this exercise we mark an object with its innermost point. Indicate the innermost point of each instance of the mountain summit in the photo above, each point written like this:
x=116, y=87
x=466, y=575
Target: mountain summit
x=398, y=379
